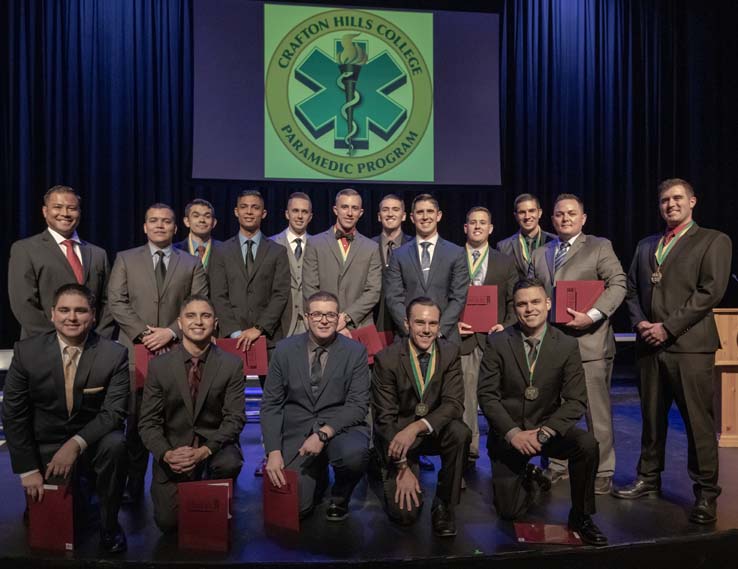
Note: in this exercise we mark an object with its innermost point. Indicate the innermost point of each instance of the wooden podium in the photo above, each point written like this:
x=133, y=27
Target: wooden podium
x=726, y=375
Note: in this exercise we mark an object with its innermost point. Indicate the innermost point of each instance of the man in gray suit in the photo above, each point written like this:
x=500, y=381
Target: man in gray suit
x=294, y=238
x=146, y=289
x=39, y=265
x=199, y=218
x=314, y=408
x=428, y=266
x=576, y=256
x=345, y=263
x=527, y=211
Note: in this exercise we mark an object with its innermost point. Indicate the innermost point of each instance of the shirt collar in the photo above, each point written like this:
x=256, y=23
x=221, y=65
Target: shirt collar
x=384, y=241
x=433, y=240
x=59, y=238
x=336, y=229
x=195, y=241
x=569, y=241
x=291, y=236
x=312, y=344
x=63, y=344
x=166, y=250
x=677, y=229
x=256, y=238
x=187, y=356
x=539, y=335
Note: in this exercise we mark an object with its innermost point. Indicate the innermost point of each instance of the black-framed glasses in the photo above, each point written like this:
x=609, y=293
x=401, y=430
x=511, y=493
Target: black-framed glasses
x=318, y=316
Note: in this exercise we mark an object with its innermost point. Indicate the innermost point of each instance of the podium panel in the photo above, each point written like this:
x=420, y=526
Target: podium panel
x=726, y=375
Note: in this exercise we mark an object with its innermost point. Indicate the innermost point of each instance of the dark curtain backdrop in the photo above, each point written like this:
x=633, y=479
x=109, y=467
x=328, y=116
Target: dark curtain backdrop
x=602, y=98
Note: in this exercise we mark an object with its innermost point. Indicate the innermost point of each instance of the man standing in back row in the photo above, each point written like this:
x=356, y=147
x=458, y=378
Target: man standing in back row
x=199, y=218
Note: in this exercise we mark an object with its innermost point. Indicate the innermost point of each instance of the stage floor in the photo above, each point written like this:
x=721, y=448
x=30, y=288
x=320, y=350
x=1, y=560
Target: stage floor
x=644, y=533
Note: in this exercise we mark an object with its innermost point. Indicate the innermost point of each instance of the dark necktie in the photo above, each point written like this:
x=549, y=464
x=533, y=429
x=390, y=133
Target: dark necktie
x=193, y=378
x=249, y=257
x=298, y=248
x=316, y=371
x=424, y=359
x=161, y=271
x=533, y=352
x=73, y=261
x=425, y=260
x=560, y=257
x=390, y=247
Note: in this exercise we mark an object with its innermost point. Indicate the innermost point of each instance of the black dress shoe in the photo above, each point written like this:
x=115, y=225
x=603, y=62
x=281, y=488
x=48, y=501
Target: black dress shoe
x=336, y=512
x=637, y=489
x=704, y=511
x=534, y=475
x=425, y=464
x=444, y=521
x=587, y=530
x=603, y=485
x=113, y=541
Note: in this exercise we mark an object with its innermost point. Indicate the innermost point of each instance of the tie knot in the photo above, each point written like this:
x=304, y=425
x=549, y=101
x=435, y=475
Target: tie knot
x=423, y=357
x=298, y=241
x=160, y=254
x=532, y=342
x=71, y=351
x=200, y=250
x=564, y=246
x=195, y=362
x=68, y=243
x=426, y=245
x=249, y=243
x=475, y=255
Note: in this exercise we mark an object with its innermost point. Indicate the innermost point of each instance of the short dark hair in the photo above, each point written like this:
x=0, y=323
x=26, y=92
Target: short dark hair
x=74, y=288
x=672, y=182
x=477, y=208
x=196, y=298
x=198, y=201
x=529, y=282
x=425, y=198
x=391, y=197
x=299, y=196
x=160, y=205
x=422, y=301
x=320, y=296
x=59, y=189
x=525, y=198
x=250, y=192
x=347, y=192
x=562, y=197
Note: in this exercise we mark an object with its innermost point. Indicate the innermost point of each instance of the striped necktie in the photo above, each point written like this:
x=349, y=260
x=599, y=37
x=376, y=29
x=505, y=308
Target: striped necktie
x=560, y=257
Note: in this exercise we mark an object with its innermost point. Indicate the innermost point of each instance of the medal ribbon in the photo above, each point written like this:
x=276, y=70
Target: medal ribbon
x=193, y=250
x=474, y=268
x=532, y=366
x=662, y=252
x=527, y=253
x=422, y=382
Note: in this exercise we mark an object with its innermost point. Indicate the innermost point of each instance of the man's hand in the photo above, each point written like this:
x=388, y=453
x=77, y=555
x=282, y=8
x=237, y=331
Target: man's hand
x=342, y=323
x=345, y=332
x=157, y=338
x=181, y=459
x=465, y=329
x=247, y=338
x=63, y=460
x=496, y=328
x=655, y=335
x=642, y=327
x=403, y=441
x=312, y=446
x=580, y=320
x=274, y=468
x=408, y=490
x=526, y=442
x=33, y=485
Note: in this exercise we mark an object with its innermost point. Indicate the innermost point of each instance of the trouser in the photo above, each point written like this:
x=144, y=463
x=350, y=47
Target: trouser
x=512, y=496
x=138, y=454
x=470, y=369
x=687, y=379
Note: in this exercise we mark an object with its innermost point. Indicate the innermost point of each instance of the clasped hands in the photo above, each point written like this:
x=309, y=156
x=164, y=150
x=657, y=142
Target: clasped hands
x=653, y=333
x=156, y=339
x=526, y=442
x=184, y=459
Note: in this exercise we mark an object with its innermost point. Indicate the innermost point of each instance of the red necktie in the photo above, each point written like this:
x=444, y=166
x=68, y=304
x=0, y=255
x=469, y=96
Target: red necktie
x=193, y=378
x=74, y=261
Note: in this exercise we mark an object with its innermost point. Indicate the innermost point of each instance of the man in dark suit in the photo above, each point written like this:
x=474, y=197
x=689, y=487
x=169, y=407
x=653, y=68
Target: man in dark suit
x=314, y=408
x=532, y=392
x=147, y=286
x=527, y=211
x=391, y=215
x=428, y=266
x=199, y=218
x=39, y=265
x=345, y=263
x=418, y=395
x=574, y=256
x=250, y=278
x=66, y=395
x=192, y=412
x=486, y=267
x=675, y=280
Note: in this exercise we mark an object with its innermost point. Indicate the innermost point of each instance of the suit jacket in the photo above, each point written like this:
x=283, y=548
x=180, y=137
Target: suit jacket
x=395, y=395
x=35, y=404
x=502, y=272
x=589, y=258
x=242, y=302
x=288, y=408
x=170, y=419
x=37, y=268
x=503, y=377
x=382, y=316
x=447, y=284
x=185, y=246
x=357, y=282
x=511, y=247
x=695, y=276
x=295, y=305
x=135, y=301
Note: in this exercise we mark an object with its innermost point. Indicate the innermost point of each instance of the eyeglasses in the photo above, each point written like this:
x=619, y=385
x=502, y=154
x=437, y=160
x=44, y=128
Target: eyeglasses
x=318, y=316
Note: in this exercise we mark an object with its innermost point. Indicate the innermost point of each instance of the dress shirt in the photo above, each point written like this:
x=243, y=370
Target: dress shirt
x=58, y=237
x=291, y=240
x=431, y=250
x=254, y=248
x=167, y=254
x=482, y=274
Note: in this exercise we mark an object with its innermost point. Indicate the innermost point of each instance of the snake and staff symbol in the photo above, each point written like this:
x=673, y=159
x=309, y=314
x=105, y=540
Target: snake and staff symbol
x=350, y=61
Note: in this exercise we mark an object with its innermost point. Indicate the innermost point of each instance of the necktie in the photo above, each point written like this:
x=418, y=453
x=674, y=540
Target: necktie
x=425, y=260
x=298, y=248
x=73, y=261
x=560, y=257
x=201, y=252
x=249, y=257
x=70, y=370
x=475, y=255
x=316, y=371
x=390, y=247
x=161, y=271
x=533, y=352
x=668, y=237
x=193, y=378
x=424, y=359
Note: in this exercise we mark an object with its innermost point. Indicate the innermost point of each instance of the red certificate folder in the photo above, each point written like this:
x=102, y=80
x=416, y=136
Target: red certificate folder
x=51, y=521
x=578, y=295
x=368, y=336
x=205, y=515
x=480, y=311
x=282, y=505
x=142, y=356
x=546, y=533
x=254, y=359
x=386, y=337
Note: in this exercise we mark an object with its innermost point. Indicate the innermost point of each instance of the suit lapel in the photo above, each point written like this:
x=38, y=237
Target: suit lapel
x=550, y=254
x=57, y=370
x=516, y=346
x=518, y=252
x=353, y=251
x=171, y=269
x=147, y=265
x=57, y=254
x=679, y=246
x=179, y=374
x=304, y=369
x=407, y=366
x=416, y=261
x=328, y=371
x=83, y=369
x=236, y=257
x=333, y=245
x=209, y=373
x=651, y=252
x=435, y=261
x=261, y=253
x=575, y=248
x=86, y=253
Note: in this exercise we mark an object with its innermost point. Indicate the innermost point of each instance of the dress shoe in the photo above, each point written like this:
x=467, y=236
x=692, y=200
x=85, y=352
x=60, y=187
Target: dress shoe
x=425, y=464
x=336, y=512
x=704, y=511
x=637, y=489
x=113, y=541
x=603, y=485
x=134, y=491
x=587, y=529
x=534, y=475
x=443, y=520
x=555, y=474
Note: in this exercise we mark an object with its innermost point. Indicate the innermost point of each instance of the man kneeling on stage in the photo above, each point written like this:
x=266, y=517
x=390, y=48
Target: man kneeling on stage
x=192, y=411
x=418, y=397
x=532, y=392
x=66, y=396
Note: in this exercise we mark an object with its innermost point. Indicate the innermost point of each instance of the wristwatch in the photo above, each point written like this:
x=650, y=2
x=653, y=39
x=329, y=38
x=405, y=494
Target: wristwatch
x=259, y=328
x=323, y=436
x=542, y=436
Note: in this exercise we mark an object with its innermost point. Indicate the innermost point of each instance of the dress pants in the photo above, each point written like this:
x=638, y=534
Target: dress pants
x=687, y=379
x=511, y=496
x=470, y=364
x=138, y=454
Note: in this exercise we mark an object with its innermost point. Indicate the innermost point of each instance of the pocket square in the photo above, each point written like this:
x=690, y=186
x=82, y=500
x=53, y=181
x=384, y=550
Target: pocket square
x=92, y=390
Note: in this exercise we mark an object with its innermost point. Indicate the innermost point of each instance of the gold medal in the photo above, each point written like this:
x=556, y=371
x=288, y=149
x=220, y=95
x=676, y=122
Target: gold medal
x=531, y=393
x=421, y=410
x=656, y=276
